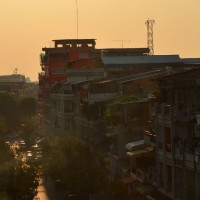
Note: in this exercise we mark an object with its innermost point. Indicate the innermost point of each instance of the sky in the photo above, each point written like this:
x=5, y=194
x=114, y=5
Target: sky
x=27, y=26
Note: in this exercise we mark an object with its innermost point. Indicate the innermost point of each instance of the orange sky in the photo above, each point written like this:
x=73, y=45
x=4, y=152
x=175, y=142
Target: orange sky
x=27, y=26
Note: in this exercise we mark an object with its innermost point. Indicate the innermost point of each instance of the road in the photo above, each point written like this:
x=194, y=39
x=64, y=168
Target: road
x=47, y=191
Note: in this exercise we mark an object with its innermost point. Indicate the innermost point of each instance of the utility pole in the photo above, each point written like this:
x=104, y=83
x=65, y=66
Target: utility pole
x=77, y=18
x=122, y=42
x=150, y=45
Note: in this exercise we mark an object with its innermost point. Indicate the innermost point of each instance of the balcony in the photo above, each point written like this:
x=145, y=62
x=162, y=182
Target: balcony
x=149, y=137
x=167, y=111
x=189, y=160
x=43, y=59
x=160, y=155
x=178, y=159
x=140, y=175
x=179, y=153
x=63, y=96
x=198, y=166
x=164, y=111
x=169, y=190
x=97, y=97
x=68, y=114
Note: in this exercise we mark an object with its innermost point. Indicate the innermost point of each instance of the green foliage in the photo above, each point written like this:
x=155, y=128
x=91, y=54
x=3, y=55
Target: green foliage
x=71, y=161
x=109, y=115
x=9, y=109
x=29, y=128
x=13, y=110
x=3, y=128
x=127, y=98
x=88, y=111
x=23, y=183
x=27, y=107
x=18, y=181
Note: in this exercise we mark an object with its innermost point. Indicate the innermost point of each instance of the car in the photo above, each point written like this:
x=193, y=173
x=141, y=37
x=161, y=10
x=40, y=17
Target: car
x=22, y=146
x=72, y=197
x=8, y=143
x=59, y=184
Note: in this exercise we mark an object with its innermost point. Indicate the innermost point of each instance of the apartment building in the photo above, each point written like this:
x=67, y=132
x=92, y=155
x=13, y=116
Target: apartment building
x=178, y=136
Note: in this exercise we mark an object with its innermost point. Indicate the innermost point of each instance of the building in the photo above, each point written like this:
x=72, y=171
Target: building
x=55, y=61
x=178, y=135
x=17, y=85
x=122, y=62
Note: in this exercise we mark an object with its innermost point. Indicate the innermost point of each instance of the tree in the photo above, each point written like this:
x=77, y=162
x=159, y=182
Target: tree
x=23, y=182
x=3, y=129
x=71, y=161
x=27, y=107
x=29, y=128
x=9, y=110
x=18, y=181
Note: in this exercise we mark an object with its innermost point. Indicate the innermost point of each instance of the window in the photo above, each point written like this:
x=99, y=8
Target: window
x=59, y=45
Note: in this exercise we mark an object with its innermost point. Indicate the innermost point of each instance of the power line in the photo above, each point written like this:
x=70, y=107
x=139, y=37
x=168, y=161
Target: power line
x=77, y=18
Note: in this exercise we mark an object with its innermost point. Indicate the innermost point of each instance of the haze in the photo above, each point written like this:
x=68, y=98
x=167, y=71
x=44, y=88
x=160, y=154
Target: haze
x=27, y=26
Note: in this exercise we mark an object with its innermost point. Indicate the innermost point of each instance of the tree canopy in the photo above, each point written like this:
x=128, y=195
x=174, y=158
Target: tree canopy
x=18, y=181
x=14, y=110
x=71, y=161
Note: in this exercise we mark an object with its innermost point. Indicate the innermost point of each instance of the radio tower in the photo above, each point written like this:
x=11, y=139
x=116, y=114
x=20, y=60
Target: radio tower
x=149, y=24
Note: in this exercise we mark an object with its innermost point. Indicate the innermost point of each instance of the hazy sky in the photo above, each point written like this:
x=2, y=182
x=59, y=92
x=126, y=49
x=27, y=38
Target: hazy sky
x=27, y=26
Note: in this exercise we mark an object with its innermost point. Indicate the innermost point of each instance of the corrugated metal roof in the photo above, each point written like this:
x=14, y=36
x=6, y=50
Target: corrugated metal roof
x=136, y=76
x=191, y=60
x=157, y=59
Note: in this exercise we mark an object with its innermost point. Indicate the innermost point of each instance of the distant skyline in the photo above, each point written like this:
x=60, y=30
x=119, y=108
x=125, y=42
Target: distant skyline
x=28, y=26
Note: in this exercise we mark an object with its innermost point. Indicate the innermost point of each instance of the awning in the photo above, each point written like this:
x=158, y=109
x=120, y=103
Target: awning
x=138, y=153
x=131, y=145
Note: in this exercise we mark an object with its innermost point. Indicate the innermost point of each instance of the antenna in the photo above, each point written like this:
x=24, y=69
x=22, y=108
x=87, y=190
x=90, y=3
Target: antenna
x=77, y=18
x=150, y=45
x=122, y=42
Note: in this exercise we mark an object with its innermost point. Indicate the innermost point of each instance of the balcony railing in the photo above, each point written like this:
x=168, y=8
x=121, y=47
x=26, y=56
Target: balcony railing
x=198, y=166
x=189, y=160
x=178, y=158
x=140, y=175
x=150, y=137
x=102, y=96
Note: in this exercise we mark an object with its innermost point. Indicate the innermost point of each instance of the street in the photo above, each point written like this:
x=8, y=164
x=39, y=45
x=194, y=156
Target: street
x=47, y=191
x=32, y=154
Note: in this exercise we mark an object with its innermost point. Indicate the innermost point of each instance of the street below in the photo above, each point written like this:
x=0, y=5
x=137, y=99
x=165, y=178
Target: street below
x=47, y=191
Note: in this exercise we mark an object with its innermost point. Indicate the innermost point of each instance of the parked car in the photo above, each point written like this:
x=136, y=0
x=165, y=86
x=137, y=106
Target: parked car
x=59, y=184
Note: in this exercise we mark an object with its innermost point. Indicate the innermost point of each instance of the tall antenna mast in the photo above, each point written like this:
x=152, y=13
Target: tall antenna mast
x=150, y=45
x=77, y=18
